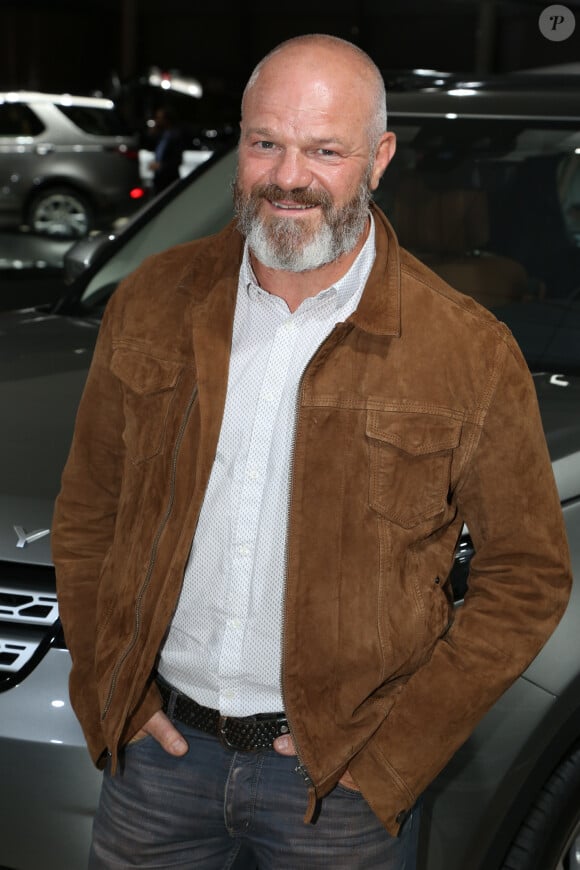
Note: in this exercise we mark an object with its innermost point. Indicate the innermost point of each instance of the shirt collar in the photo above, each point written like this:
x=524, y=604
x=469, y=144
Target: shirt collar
x=342, y=290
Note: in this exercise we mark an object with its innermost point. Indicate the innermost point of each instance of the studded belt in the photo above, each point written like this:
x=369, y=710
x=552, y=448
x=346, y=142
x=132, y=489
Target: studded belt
x=244, y=734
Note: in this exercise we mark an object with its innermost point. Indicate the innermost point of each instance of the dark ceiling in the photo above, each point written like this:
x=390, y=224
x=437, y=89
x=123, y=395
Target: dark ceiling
x=80, y=46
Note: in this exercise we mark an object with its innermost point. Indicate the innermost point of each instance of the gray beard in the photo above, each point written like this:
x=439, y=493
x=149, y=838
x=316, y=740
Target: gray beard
x=283, y=243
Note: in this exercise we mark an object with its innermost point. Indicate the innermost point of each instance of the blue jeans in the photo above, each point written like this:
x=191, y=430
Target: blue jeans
x=223, y=810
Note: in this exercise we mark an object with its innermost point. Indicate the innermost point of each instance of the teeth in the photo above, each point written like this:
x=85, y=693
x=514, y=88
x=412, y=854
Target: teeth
x=295, y=206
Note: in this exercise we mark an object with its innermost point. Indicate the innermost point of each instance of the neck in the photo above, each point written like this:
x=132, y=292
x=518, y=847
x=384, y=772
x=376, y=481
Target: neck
x=295, y=287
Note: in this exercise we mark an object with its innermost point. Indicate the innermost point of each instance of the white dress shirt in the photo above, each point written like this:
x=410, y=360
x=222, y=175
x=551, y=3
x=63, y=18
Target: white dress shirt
x=224, y=645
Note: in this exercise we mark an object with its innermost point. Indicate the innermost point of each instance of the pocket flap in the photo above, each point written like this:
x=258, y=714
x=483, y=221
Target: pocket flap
x=414, y=432
x=142, y=373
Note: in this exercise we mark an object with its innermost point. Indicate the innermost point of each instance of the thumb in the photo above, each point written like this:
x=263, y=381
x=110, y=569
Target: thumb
x=284, y=745
x=166, y=734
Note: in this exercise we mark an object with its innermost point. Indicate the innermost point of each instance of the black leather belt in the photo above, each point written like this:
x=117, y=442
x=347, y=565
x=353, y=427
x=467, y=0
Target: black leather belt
x=246, y=734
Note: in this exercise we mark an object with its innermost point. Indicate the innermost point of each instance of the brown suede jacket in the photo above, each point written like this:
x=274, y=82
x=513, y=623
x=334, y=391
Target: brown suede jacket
x=416, y=415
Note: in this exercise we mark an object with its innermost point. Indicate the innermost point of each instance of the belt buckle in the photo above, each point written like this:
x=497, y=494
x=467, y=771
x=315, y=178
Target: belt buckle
x=223, y=738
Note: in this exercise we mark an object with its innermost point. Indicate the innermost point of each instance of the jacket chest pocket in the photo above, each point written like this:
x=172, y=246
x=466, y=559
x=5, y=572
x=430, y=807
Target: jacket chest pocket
x=410, y=464
x=149, y=387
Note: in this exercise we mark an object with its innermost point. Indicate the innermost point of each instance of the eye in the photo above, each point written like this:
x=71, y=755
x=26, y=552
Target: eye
x=264, y=145
x=327, y=153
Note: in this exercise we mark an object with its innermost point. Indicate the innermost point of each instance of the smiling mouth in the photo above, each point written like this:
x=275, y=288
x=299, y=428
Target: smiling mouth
x=293, y=206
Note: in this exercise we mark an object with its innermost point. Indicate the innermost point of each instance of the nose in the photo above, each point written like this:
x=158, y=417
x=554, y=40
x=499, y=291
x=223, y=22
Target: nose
x=291, y=170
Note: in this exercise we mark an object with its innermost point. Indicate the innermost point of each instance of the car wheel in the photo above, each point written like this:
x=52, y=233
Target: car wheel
x=549, y=839
x=60, y=212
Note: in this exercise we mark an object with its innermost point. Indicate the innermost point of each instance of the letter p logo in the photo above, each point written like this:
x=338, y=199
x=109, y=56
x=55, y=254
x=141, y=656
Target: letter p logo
x=557, y=23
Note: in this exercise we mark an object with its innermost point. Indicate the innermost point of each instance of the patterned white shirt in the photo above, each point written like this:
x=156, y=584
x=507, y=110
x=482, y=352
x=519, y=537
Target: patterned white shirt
x=224, y=645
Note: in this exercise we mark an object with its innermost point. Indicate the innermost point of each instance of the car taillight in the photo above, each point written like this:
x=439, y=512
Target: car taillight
x=136, y=192
x=131, y=153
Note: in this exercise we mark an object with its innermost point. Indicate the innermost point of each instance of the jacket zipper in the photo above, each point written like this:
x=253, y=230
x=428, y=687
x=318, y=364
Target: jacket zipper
x=301, y=767
x=153, y=556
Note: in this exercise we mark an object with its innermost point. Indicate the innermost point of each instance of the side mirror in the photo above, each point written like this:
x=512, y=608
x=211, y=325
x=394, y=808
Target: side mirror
x=83, y=254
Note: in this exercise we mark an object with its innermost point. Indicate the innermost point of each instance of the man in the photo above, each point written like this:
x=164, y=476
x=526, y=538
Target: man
x=168, y=150
x=284, y=428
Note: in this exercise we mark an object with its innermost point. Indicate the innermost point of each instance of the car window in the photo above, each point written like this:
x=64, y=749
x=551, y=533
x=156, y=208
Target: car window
x=94, y=120
x=465, y=194
x=17, y=119
x=568, y=181
x=493, y=206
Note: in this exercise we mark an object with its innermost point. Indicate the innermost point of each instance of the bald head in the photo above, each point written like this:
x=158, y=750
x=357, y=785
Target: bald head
x=322, y=55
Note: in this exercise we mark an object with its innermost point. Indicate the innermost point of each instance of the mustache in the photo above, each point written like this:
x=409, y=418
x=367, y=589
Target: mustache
x=298, y=195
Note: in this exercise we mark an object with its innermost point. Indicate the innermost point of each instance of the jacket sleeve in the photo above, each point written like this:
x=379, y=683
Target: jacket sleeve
x=83, y=526
x=519, y=583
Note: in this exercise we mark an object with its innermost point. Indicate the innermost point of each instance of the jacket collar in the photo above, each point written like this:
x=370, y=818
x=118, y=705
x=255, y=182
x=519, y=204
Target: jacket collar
x=379, y=311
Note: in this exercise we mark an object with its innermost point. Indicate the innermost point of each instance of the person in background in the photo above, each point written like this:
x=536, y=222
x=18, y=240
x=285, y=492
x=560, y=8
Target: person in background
x=284, y=429
x=168, y=149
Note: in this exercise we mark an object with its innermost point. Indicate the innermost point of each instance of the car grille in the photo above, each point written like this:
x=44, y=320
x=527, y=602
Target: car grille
x=29, y=621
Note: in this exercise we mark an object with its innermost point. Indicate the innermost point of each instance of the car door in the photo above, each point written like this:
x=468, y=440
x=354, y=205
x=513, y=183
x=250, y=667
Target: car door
x=19, y=151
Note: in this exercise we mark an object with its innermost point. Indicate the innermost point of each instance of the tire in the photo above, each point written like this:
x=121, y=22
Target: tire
x=60, y=212
x=549, y=838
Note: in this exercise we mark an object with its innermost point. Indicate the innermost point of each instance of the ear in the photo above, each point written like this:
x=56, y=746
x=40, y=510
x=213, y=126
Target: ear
x=383, y=156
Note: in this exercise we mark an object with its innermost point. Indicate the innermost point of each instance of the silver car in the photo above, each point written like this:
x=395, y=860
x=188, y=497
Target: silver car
x=485, y=187
x=67, y=165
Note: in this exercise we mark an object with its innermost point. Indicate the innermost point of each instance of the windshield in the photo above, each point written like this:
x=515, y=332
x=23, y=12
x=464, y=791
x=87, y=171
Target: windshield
x=203, y=207
x=490, y=204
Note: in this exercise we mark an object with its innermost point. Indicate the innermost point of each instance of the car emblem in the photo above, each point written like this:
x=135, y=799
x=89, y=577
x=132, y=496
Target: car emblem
x=25, y=537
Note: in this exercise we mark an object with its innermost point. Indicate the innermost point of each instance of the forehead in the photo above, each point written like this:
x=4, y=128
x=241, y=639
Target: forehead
x=296, y=90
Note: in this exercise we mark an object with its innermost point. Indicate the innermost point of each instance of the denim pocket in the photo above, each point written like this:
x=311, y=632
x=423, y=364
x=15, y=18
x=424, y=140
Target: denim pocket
x=134, y=742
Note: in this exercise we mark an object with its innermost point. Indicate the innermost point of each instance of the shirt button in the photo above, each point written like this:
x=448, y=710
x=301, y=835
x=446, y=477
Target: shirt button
x=234, y=623
x=229, y=694
x=252, y=474
x=243, y=550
